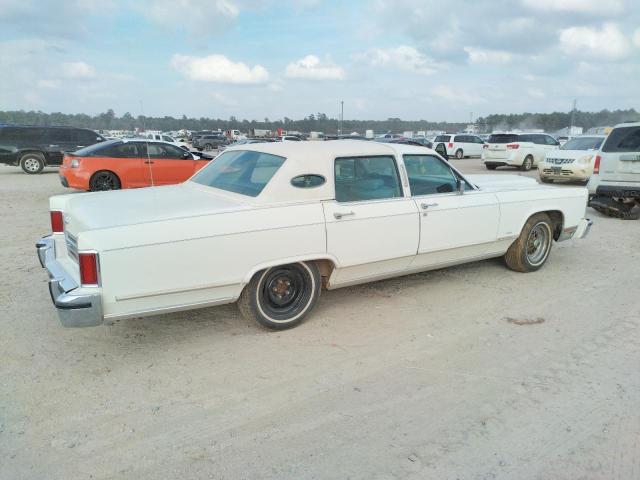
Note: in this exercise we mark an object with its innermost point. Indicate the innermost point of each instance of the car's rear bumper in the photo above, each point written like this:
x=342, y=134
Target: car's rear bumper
x=578, y=231
x=620, y=191
x=74, y=309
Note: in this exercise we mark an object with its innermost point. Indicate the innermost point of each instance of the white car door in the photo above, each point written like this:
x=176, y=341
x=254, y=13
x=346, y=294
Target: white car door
x=372, y=228
x=453, y=226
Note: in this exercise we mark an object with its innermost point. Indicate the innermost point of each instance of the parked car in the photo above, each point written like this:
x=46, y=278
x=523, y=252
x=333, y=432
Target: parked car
x=461, y=145
x=573, y=161
x=118, y=164
x=271, y=224
x=161, y=137
x=521, y=150
x=288, y=138
x=33, y=148
x=614, y=187
x=209, y=142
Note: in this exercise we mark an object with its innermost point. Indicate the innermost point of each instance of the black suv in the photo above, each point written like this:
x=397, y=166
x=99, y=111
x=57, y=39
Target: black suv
x=33, y=148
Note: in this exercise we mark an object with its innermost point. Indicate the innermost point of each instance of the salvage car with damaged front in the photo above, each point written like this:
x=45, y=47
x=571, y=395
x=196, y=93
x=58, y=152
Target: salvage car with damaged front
x=270, y=225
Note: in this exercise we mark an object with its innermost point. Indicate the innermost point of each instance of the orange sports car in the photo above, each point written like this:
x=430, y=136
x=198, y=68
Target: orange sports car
x=135, y=163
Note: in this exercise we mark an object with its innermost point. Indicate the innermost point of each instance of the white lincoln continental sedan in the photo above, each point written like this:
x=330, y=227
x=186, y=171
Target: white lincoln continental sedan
x=269, y=225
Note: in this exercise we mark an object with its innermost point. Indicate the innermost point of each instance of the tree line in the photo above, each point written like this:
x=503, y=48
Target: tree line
x=320, y=122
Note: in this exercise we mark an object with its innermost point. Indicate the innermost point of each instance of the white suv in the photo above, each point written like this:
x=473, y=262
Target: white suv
x=572, y=161
x=522, y=150
x=461, y=145
x=614, y=187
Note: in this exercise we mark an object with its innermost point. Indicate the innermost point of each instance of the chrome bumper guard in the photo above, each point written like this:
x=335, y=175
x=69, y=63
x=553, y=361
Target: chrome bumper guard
x=579, y=231
x=74, y=310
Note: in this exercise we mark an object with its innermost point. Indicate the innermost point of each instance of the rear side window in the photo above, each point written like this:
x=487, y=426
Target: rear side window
x=23, y=135
x=241, y=171
x=624, y=139
x=61, y=135
x=442, y=138
x=503, y=138
x=366, y=178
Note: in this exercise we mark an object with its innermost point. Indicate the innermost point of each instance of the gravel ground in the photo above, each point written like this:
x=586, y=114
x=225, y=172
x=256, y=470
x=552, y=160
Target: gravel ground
x=473, y=372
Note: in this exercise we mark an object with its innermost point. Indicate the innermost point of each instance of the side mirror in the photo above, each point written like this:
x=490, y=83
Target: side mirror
x=186, y=155
x=460, y=186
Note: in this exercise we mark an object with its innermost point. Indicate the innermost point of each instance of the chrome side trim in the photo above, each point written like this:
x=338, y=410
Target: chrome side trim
x=120, y=298
x=170, y=309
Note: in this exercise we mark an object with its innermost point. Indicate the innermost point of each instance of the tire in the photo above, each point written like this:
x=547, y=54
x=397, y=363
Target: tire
x=526, y=254
x=527, y=164
x=546, y=180
x=32, y=163
x=208, y=146
x=272, y=301
x=459, y=154
x=104, y=180
x=490, y=167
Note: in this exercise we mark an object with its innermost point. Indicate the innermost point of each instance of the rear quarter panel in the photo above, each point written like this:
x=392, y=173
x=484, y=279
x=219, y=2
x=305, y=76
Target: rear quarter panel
x=204, y=260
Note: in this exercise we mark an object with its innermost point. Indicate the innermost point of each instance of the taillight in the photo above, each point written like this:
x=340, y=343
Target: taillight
x=513, y=146
x=57, y=224
x=88, y=262
x=450, y=145
x=596, y=165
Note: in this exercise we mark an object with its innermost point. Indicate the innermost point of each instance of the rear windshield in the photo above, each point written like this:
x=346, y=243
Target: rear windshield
x=625, y=139
x=583, y=143
x=442, y=138
x=244, y=172
x=503, y=138
x=92, y=149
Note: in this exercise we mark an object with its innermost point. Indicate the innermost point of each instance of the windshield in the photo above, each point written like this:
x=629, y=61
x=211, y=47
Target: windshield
x=503, y=138
x=240, y=171
x=583, y=143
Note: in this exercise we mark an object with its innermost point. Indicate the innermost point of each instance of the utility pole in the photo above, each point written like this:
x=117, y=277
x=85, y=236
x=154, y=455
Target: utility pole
x=573, y=116
x=341, y=116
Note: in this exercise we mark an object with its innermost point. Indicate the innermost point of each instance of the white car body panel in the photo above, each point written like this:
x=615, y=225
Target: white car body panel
x=184, y=246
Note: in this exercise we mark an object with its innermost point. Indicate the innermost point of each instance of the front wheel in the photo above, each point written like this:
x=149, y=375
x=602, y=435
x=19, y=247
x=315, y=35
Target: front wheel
x=531, y=250
x=280, y=297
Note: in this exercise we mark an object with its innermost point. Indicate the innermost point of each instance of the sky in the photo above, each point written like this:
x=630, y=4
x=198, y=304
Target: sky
x=254, y=59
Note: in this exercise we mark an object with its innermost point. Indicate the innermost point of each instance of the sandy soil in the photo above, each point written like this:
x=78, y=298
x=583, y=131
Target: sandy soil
x=474, y=372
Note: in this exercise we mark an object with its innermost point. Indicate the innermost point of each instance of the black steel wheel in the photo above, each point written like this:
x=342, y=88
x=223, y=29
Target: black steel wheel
x=280, y=297
x=104, y=180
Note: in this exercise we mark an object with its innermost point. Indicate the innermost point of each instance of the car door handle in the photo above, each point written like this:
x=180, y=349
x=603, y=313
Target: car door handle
x=427, y=205
x=149, y=161
x=53, y=146
x=339, y=215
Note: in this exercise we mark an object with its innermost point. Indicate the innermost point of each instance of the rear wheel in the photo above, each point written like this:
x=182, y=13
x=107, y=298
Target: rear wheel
x=280, y=297
x=459, y=154
x=531, y=250
x=32, y=163
x=104, y=180
x=528, y=163
x=490, y=167
x=208, y=146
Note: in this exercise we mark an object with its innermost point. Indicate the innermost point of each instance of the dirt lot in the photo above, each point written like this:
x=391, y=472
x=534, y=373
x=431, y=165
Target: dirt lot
x=474, y=372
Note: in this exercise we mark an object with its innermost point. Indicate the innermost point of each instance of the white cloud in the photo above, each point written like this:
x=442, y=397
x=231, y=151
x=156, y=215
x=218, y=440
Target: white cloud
x=608, y=43
x=486, y=56
x=77, y=70
x=404, y=57
x=535, y=93
x=48, y=83
x=219, y=69
x=457, y=95
x=209, y=13
x=636, y=38
x=311, y=67
x=578, y=6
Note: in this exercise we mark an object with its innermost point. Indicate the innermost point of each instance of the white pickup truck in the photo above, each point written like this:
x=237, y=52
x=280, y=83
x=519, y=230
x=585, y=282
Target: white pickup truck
x=271, y=224
x=522, y=150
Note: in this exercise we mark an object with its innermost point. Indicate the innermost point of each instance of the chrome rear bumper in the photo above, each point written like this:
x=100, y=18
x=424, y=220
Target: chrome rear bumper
x=74, y=309
x=579, y=231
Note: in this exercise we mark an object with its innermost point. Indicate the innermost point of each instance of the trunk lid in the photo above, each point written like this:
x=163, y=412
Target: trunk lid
x=97, y=210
